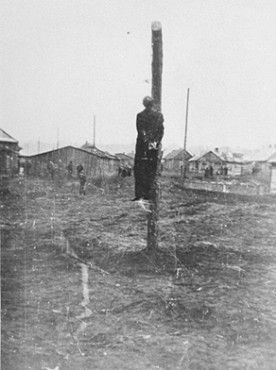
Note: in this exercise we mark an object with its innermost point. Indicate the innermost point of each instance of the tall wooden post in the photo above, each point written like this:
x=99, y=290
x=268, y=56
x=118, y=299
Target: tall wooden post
x=94, y=130
x=157, y=64
x=57, y=138
x=184, y=170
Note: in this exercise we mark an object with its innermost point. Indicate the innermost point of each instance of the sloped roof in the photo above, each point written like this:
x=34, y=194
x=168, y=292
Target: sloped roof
x=93, y=149
x=124, y=157
x=96, y=153
x=131, y=155
x=6, y=138
x=222, y=156
x=227, y=156
x=263, y=155
x=177, y=154
x=201, y=155
x=196, y=157
x=272, y=158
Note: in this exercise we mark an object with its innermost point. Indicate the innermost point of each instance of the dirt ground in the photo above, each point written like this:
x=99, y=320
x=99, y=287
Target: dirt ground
x=79, y=292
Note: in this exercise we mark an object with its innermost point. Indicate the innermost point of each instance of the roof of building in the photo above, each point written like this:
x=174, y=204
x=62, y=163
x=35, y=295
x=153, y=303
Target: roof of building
x=93, y=149
x=131, y=155
x=97, y=153
x=262, y=155
x=272, y=158
x=228, y=156
x=222, y=156
x=124, y=157
x=177, y=154
x=6, y=138
x=197, y=157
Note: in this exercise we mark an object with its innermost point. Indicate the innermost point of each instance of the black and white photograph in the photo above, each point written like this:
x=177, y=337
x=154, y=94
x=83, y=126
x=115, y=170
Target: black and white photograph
x=138, y=184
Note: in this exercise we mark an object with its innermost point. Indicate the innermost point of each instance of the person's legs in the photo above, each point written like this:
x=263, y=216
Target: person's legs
x=82, y=191
x=138, y=175
x=151, y=173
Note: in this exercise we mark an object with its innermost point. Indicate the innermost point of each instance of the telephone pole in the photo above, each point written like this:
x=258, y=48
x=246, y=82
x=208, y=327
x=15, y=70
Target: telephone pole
x=57, y=138
x=184, y=170
x=94, y=130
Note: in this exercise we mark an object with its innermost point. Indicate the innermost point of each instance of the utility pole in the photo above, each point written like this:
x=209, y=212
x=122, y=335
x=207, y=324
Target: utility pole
x=184, y=169
x=157, y=64
x=94, y=130
x=57, y=138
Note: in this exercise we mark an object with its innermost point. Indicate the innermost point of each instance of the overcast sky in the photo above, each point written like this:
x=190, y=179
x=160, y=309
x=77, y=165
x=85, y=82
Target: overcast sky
x=64, y=60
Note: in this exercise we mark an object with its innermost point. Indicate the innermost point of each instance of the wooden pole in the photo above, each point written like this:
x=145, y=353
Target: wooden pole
x=185, y=135
x=157, y=64
x=94, y=130
x=57, y=138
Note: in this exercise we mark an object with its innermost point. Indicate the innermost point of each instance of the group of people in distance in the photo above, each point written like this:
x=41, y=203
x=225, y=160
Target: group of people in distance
x=53, y=169
x=209, y=171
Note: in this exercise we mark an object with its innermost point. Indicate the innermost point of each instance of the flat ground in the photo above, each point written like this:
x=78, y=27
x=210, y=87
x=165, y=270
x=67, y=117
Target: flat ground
x=79, y=293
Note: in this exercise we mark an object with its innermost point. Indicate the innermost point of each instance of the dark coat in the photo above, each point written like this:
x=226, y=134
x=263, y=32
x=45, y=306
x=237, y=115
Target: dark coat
x=150, y=130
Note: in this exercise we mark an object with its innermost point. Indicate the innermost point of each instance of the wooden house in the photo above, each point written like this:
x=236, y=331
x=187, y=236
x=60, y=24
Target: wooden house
x=215, y=163
x=96, y=163
x=174, y=160
x=9, y=152
x=126, y=164
x=259, y=160
x=125, y=159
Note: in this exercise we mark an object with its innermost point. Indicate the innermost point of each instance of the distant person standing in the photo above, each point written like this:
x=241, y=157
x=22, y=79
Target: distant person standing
x=79, y=168
x=27, y=168
x=70, y=170
x=150, y=129
x=61, y=172
x=52, y=170
x=82, y=179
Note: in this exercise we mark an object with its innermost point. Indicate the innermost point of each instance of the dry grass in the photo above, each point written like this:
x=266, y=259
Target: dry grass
x=203, y=301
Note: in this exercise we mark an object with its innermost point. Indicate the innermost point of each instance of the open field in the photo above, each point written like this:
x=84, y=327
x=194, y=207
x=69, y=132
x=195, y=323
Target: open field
x=79, y=293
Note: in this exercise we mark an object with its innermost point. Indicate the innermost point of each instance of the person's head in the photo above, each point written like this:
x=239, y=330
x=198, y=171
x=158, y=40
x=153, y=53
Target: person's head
x=148, y=102
x=79, y=168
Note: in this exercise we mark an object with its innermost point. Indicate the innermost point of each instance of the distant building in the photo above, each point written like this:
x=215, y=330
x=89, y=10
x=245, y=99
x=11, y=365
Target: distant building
x=260, y=160
x=231, y=164
x=9, y=152
x=96, y=163
x=263, y=164
x=174, y=160
x=125, y=159
x=272, y=162
x=126, y=164
x=93, y=149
